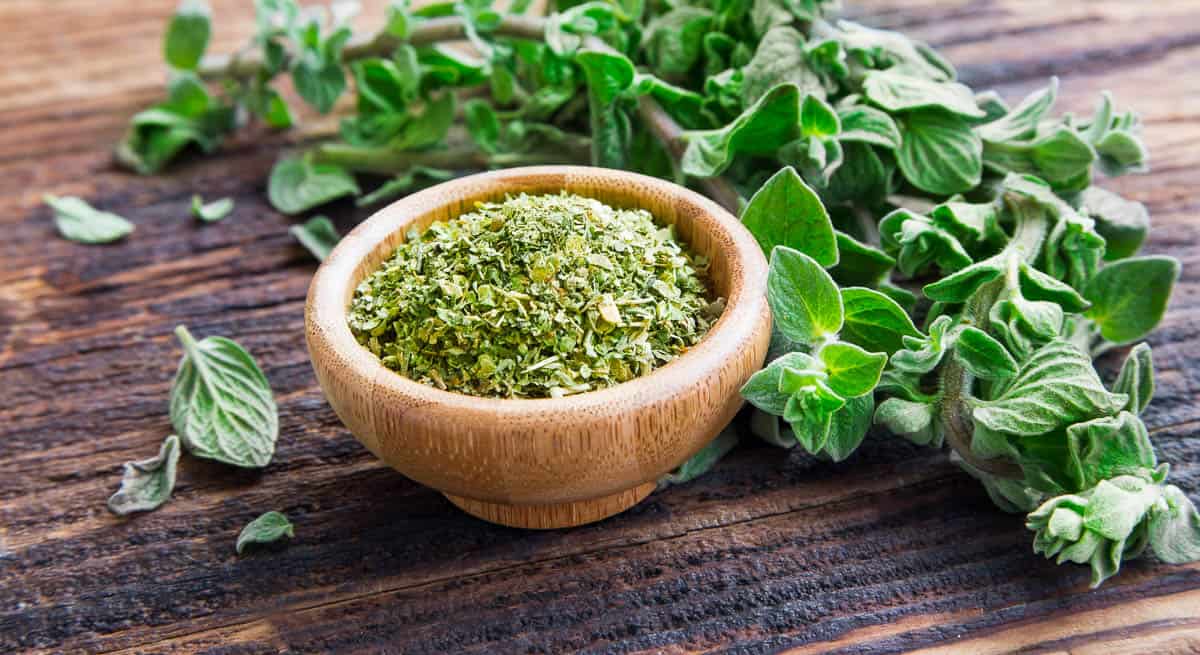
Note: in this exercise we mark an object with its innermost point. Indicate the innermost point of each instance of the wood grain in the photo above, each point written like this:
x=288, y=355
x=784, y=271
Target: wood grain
x=544, y=462
x=892, y=550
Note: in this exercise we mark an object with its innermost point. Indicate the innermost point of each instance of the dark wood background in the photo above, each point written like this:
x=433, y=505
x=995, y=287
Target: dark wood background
x=894, y=549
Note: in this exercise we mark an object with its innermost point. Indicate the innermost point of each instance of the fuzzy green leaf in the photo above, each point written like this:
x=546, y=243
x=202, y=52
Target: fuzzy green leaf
x=221, y=403
x=1108, y=447
x=187, y=35
x=983, y=356
x=849, y=427
x=868, y=125
x=267, y=528
x=297, y=185
x=148, y=483
x=875, y=321
x=852, y=371
x=317, y=235
x=703, y=461
x=804, y=299
x=897, y=92
x=1175, y=530
x=779, y=59
x=773, y=121
x=1136, y=378
x=212, y=211
x=786, y=212
x=1123, y=223
x=940, y=153
x=1130, y=296
x=80, y=222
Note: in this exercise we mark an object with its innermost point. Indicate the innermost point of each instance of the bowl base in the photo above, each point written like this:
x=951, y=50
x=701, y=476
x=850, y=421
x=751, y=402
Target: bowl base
x=548, y=517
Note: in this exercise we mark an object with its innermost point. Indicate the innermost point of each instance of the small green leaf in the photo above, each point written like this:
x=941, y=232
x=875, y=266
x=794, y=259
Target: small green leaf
x=703, y=461
x=810, y=413
x=1130, y=296
x=960, y=286
x=804, y=299
x=1175, y=530
x=1022, y=121
x=297, y=185
x=1055, y=387
x=922, y=354
x=187, y=35
x=897, y=92
x=148, y=483
x=213, y=211
x=1116, y=506
x=1108, y=447
x=317, y=235
x=818, y=119
x=849, y=427
x=875, y=321
x=1036, y=285
x=80, y=222
x=672, y=41
x=609, y=75
x=915, y=421
x=918, y=243
x=779, y=59
x=221, y=403
x=482, y=124
x=1123, y=223
x=763, y=388
x=868, y=125
x=852, y=371
x=940, y=153
x=859, y=264
x=786, y=212
x=1136, y=378
x=983, y=356
x=267, y=528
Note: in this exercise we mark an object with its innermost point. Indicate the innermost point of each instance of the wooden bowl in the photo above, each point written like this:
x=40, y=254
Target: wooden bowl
x=553, y=462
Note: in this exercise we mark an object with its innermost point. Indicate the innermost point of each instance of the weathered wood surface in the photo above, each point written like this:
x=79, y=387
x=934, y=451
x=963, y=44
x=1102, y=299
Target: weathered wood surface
x=893, y=550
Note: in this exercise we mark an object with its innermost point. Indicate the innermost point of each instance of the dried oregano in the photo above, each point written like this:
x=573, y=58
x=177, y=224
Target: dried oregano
x=535, y=296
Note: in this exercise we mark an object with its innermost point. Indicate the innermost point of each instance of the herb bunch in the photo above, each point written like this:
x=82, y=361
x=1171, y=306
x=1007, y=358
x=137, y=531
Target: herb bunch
x=941, y=263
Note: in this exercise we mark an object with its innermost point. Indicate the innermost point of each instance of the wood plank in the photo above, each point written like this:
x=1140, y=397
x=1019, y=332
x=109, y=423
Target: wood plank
x=894, y=549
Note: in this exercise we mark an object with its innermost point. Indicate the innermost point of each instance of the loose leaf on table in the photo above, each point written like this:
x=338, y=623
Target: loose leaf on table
x=269, y=527
x=221, y=404
x=1129, y=297
x=1136, y=378
x=804, y=299
x=875, y=321
x=786, y=212
x=212, y=211
x=80, y=222
x=297, y=185
x=187, y=35
x=148, y=483
x=703, y=461
x=940, y=153
x=317, y=235
x=1055, y=387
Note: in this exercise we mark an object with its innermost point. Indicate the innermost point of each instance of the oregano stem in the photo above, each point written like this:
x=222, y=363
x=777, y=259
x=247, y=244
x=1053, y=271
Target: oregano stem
x=388, y=161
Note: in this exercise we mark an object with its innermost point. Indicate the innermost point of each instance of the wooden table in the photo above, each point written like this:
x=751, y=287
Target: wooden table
x=891, y=550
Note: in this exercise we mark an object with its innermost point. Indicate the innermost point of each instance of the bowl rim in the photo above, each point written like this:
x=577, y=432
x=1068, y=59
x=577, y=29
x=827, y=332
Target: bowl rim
x=326, y=313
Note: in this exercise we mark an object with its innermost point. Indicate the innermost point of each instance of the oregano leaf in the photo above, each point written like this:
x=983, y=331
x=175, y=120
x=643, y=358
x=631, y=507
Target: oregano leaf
x=147, y=483
x=221, y=403
x=983, y=356
x=212, y=211
x=187, y=35
x=267, y=528
x=1129, y=297
x=1136, y=378
x=804, y=299
x=80, y=222
x=317, y=235
x=875, y=321
x=297, y=185
x=852, y=371
x=940, y=153
x=786, y=212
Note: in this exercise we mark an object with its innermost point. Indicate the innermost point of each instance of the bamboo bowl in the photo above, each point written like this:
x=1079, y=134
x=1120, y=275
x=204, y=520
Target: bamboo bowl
x=544, y=463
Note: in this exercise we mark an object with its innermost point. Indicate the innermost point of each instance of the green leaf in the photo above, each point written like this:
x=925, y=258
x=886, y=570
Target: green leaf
x=1136, y=378
x=786, y=212
x=317, y=235
x=213, y=211
x=810, y=413
x=918, y=242
x=1108, y=447
x=672, y=41
x=1055, y=387
x=1061, y=530
x=983, y=356
x=609, y=75
x=875, y=321
x=852, y=371
x=148, y=483
x=267, y=528
x=779, y=59
x=863, y=178
x=940, y=153
x=297, y=185
x=885, y=49
x=187, y=35
x=1036, y=285
x=1073, y=250
x=1022, y=121
x=1123, y=223
x=922, y=354
x=1060, y=157
x=482, y=124
x=868, y=125
x=703, y=461
x=849, y=427
x=818, y=119
x=915, y=421
x=1175, y=530
x=760, y=130
x=897, y=92
x=804, y=299
x=961, y=285
x=1130, y=296
x=763, y=388
x=859, y=264
x=80, y=222
x=221, y=403
x=1116, y=506
x=318, y=73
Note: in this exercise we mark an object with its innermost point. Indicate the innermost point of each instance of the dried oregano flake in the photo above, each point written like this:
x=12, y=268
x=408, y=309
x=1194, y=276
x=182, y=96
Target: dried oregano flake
x=535, y=296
